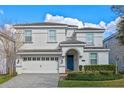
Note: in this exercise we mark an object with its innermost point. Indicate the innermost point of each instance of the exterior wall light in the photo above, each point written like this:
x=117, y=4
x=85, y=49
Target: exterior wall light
x=61, y=62
x=83, y=60
x=80, y=56
x=63, y=57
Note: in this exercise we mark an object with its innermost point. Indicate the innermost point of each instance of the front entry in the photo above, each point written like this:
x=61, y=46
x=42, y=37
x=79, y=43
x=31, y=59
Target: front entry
x=70, y=62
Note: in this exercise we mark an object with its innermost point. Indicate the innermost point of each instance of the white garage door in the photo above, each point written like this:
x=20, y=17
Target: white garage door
x=40, y=65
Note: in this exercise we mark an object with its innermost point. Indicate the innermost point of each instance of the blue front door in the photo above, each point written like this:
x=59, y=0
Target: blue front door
x=70, y=62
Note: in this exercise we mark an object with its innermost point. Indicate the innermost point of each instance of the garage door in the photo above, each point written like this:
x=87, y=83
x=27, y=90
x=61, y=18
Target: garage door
x=40, y=64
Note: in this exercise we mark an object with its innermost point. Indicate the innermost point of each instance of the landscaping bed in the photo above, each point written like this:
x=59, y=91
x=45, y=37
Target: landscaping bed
x=92, y=80
x=92, y=76
x=4, y=78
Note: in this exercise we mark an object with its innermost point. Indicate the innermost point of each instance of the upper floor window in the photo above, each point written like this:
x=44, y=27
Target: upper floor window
x=90, y=39
x=28, y=35
x=93, y=58
x=51, y=36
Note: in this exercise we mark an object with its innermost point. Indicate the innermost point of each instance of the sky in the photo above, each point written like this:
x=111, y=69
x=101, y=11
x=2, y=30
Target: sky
x=90, y=15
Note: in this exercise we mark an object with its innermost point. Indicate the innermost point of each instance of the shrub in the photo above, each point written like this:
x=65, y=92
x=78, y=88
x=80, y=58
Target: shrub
x=106, y=72
x=80, y=67
x=100, y=68
x=121, y=72
x=92, y=77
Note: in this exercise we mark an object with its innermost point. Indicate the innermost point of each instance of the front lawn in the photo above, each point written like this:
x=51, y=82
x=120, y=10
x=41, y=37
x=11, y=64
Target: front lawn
x=4, y=78
x=77, y=83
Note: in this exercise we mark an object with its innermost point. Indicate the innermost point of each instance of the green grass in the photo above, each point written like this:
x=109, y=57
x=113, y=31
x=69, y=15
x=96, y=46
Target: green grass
x=4, y=78
x=77, y=83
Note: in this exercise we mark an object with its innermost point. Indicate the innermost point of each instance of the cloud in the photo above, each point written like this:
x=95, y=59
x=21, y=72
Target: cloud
x=71, y=21
x=110, y=28
x=91, y=25
x=61, y=19
x=113, y=24
x=1, y=12
x=102, y=24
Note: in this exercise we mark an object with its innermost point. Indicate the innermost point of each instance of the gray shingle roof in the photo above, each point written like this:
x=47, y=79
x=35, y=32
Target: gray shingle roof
x=90, y=28
x=45, y=24
x=110, y=37
x=40, y=50
x=72, y=41
x=94, y=48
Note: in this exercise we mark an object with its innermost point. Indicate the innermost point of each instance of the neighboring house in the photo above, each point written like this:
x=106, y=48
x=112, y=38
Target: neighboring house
x=2, y=59
x=116, y=54
x=56, y=48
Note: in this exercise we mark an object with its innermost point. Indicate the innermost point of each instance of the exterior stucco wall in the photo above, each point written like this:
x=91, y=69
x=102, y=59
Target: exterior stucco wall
x=102, y=58
x=19, y=67
x=40, y=35
x=40, y=39
x=98, y=38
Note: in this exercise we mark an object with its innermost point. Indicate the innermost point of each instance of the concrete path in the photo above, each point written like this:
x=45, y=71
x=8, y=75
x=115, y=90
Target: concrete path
x=32, y=81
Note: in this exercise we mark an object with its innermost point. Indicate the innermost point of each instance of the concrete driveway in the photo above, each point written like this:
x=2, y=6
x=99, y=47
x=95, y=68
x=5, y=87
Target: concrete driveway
x=32, y=81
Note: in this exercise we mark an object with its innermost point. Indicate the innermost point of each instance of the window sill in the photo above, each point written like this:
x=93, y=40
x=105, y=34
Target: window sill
x=51, y=42
x=90, y=45
x=27, y=42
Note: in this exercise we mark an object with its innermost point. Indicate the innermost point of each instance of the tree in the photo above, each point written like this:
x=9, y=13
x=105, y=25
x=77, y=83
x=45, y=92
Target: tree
x=119, y=10
x=11, y=42
x=120, y=28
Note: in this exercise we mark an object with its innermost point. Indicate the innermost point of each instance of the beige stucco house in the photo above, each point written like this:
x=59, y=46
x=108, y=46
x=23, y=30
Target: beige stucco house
x=56, y=48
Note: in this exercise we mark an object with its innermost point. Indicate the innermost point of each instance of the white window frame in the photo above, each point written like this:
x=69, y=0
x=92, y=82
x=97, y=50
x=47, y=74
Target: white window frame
x=52, y=59
x=25, y=59
x=93, y=59
x=56, y=58
x=90, y=41
x=34, y=58
x=43, y=58
x=29, y=58
x=38, y=59
x=51, y=36
x=26, y=35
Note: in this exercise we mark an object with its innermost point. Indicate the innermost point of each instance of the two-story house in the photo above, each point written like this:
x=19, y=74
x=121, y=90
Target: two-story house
x=56, y=48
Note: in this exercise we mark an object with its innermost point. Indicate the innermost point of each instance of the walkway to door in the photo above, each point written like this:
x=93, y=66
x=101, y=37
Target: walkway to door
x=32, y=81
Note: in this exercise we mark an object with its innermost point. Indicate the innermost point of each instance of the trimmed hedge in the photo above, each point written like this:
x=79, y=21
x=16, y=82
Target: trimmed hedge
x=100, y=68
x=92, y=77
